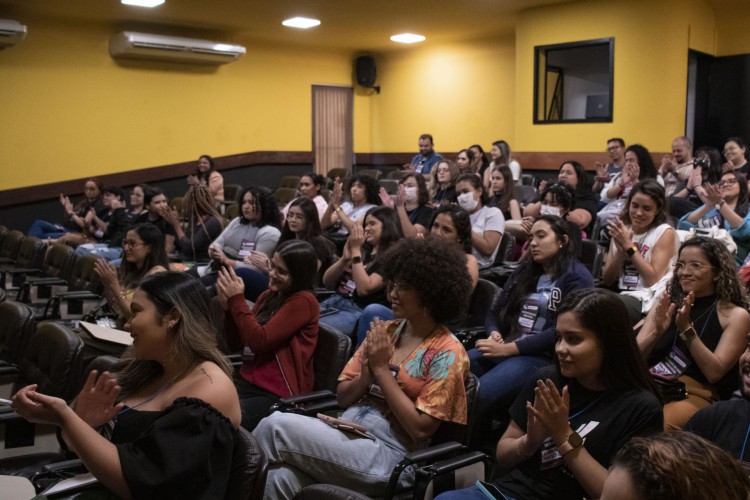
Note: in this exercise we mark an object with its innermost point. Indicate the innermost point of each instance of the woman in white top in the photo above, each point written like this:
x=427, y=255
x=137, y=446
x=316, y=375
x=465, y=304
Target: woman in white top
x=487, y=223
x=501, y=155
x=364, y=192
x=309, y=187
x=643, y=246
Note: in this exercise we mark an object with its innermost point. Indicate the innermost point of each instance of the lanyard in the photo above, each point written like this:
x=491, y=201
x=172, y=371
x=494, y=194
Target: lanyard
x=705, y=323
x=742, y=453
x=571, y=417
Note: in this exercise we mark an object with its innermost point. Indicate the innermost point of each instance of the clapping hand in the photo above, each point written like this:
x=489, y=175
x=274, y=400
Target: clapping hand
x=107, y=274
x=228, y=285
x=385, y=198
x=356, y=237
x=621, y=235
x=97, y=402
x=38, y=408
x=551, y=410
x=602, y=175
x=379, y=346
x=337, y=192
x=682, y=320
x=712, y=193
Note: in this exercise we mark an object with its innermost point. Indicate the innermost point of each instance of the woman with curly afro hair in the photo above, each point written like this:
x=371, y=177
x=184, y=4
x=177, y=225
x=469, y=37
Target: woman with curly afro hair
x=403, y=381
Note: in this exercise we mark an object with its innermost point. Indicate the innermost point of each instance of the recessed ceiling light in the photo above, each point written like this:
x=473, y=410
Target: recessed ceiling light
x=407, y=38
x=301, y=22
x=143, y=3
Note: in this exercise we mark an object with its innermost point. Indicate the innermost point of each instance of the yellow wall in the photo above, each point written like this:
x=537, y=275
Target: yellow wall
x=76, y=112
x=733, y=29
x=651, y=54
x=70, y=110
x=461, y=93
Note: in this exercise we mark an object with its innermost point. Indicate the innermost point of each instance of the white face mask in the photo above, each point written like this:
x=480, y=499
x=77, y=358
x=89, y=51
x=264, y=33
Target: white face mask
x=467, y=201
x=411, y=194
x=548, y=210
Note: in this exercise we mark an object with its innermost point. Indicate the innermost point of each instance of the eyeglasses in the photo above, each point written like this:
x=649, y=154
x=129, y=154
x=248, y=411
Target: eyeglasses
x=131, y=243
x=278, y=270
x=397, y=288
x=727, y=182
x=691, y=266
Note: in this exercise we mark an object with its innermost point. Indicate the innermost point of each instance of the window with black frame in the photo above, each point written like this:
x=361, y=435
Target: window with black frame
x=574, y=82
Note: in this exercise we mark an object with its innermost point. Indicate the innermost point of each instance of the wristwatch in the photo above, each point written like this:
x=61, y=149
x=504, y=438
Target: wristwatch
x=573, y=442
x=631, y=250
x=357, y=259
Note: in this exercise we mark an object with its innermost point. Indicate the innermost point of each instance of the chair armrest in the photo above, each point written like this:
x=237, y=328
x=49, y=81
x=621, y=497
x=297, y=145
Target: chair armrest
x=9, y=416
x=307, y=404
x=309, y=397
x=432, y=452
x=20, y=270
x=45, y=280
x=79, y=294
x=66, y=465
x=458, y=462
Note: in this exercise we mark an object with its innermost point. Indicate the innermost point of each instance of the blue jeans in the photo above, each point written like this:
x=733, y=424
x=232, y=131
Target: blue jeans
x=101, y=249
x=471, y=493
x=500, y=381
x=345, y=319
x=42, y=229
x=304, y=450
x=368, y=316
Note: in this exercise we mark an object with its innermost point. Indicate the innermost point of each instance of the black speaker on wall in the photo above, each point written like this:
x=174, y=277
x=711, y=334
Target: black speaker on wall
x=366, y=71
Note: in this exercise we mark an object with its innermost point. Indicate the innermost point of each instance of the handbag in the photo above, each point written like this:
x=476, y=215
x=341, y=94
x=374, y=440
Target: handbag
x=469, y=336
x=669, y=390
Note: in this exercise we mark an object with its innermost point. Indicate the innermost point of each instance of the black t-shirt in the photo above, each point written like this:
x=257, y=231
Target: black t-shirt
x=606, y=421
x=165, y=227
x=726, y=424
x=421, y=215
x=590, y=203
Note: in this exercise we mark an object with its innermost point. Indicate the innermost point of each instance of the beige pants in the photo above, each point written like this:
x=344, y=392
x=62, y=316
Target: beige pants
x=699, y=396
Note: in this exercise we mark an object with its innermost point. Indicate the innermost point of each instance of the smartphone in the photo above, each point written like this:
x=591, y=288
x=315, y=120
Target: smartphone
x=338, y=423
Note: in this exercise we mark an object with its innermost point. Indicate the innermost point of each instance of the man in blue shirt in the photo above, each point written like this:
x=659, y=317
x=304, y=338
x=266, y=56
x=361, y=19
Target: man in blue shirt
x=422, y=163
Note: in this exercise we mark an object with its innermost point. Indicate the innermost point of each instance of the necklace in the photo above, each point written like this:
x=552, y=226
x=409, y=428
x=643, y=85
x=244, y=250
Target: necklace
x=401, y=332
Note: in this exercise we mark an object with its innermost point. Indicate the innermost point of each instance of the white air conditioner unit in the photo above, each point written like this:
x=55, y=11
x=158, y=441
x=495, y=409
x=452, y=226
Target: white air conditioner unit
x=132, y=45
x=11, y=32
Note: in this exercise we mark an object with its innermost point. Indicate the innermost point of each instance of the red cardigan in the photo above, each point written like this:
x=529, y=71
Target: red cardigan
x=291, y=335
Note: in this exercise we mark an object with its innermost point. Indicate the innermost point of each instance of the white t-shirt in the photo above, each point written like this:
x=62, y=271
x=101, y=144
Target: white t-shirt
x=630, y=279
x=487, y=219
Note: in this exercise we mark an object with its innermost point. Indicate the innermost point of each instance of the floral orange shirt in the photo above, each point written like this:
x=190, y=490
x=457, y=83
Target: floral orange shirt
x=433, y=375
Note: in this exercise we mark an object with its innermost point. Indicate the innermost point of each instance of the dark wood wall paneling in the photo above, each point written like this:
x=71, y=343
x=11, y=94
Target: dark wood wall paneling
x=541, y=163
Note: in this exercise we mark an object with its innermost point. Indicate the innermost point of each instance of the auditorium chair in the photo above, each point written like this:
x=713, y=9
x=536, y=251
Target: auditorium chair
x=17, y=326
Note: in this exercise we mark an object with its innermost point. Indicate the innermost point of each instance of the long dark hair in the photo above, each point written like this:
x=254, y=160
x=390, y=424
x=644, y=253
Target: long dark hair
x=312, y=233
x=601, y=311
x=530, y=272
x=128, y=274
x=711, y=173
x=482, y=155
x=509, y=191
x=312, y=222
x=477, y=184
x=205, y=175
x=302, y=263
x=318, y=180
x=742, y=199
x=461, y=221
x=193, y=336
x=645, y=162
x=422, y=193
x=263, y=202
x=655, y=191
x=584, y=183
x=391, y=231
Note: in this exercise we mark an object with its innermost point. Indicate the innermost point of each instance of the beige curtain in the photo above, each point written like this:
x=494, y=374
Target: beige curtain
x=332, y=127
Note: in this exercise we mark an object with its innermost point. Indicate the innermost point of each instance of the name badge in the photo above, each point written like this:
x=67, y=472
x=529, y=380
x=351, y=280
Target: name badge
x=246, y=248
x=528, y=315
x=630, y=276
x=550, y=457
x=673, y=365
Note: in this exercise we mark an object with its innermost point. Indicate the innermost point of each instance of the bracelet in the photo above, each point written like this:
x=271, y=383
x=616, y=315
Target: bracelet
x=123, y=295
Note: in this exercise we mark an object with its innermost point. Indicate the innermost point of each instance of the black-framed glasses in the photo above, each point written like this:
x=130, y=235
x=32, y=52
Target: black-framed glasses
x=278, y=270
